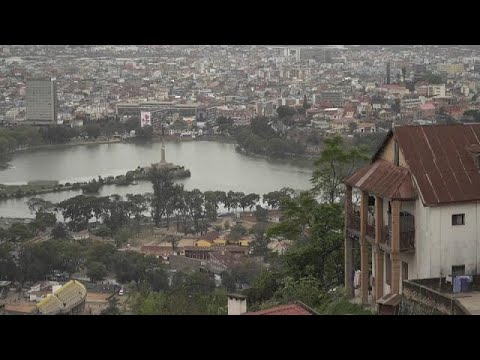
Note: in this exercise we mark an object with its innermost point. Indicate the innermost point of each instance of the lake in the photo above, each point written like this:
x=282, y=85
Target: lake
x=213, y=165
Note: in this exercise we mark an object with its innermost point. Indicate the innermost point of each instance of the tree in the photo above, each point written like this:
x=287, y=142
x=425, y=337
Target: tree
x=8, y=267
x=260, y=126
x=145, y=133
x=334, y=165
x=100, y=252
x=194, y=201
x=96, y=271
x=274, y=198
x=316, y=231
x=20, y=232
x=211, y=205
x=44, y=219
x=112, y=308
x=92, y=130
x=249, y=201
x=132, y=124
x=138, y=204
x=236, y=233
x=60, y=232
x=307, y=290
x=173, y=202
x=158, y=279
x=228, y=281
x=162, y=191
x=285, y=111
x=92, y=187
x=39, y=204
x=261, y=214
x=260, y=245
x=122, y=237
x=79, y=210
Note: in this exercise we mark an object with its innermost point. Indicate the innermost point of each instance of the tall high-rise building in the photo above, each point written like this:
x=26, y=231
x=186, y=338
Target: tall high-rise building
x=42, y=102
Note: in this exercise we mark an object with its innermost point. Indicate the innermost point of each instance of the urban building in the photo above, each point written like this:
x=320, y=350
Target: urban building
x=418, y=212
x=69, y=299
x=334, y=97
x=41, y=97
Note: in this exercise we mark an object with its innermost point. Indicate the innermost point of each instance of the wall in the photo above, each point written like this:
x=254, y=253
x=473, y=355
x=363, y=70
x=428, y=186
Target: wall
x=389, y=152
x=418, y=299
x=422, y=241
x=236, y=306
x=448, y=245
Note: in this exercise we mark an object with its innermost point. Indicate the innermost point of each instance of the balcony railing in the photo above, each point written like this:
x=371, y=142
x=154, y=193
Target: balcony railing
x=407, y=230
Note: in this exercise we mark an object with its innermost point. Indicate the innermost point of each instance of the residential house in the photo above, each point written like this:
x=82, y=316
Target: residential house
x=428, y=110
x=366, y=128
x=207, y=239
x=220, y=242
x=244, y=242
x=203, y=243
x=418, y=216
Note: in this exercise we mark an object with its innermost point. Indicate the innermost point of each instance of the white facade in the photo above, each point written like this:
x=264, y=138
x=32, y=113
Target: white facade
x=439, y=245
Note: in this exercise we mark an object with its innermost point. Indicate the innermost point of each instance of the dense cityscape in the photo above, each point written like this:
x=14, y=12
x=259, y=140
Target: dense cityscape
x=222, y=179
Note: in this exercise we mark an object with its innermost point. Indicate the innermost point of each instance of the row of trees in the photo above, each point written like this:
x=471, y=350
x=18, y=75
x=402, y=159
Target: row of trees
x=191, y=210
x=21, y=136
x=28, y=136
x=38, y=261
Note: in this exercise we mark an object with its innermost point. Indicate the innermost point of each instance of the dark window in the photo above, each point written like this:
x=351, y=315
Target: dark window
x=458, y=270
x=458, y=219
x=396, y=158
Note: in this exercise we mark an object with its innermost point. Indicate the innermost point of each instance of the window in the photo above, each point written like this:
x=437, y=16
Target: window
x=458, y=270
x=458, y=219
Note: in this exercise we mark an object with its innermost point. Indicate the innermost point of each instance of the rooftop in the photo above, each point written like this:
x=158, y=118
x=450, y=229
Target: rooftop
x=438, y=159
x=297, y=308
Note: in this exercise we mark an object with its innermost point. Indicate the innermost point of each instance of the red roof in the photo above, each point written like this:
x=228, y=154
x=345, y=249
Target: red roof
x=384, y=179
x=292, y=309
x=440, y=159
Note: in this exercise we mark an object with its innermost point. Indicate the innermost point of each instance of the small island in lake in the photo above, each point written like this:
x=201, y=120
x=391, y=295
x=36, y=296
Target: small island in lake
x=92, y=187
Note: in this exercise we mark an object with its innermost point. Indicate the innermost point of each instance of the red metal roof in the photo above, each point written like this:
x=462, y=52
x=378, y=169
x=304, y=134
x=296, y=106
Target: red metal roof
x=291, y=309
x=384, y=179
x=439, y=159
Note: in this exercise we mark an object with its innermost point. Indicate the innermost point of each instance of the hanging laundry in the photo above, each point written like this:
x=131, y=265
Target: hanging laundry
x=457, y=285
x=356, y=280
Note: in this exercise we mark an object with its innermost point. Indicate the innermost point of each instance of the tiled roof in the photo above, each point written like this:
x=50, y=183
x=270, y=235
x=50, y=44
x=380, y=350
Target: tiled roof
x=67, y=297
x=292, y=309
x=384, y=179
